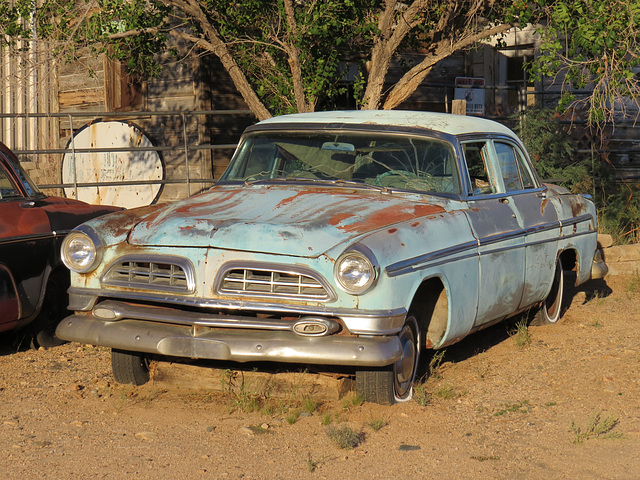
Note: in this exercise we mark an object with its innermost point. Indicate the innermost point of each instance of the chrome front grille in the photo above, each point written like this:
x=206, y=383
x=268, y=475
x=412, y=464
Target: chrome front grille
x=166, y=274
x=272, y=282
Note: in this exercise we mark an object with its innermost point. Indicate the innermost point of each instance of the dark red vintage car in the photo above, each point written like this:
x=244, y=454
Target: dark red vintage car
x=33, y=280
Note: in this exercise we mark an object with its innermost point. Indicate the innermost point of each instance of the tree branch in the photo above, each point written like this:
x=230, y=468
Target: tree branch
x=410, y=81
x=294, y=61
x=393, y=30
x=217, y=46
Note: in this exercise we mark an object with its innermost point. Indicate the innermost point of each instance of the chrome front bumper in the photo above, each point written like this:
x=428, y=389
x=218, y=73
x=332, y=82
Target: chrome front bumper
x=240, y=341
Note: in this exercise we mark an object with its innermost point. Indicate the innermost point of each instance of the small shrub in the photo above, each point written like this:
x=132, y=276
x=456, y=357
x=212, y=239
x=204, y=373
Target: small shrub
x=435, y=364
x=420, y=394
x=377, y=424
x=597, y=427
x=258, y=429
x=634, y=284
x=517, y=407
x=446, y=392
x=309, y=404
x=312, y=464
x=352, y=400
x=521, y=333
x=345, y=437
x=292, y=417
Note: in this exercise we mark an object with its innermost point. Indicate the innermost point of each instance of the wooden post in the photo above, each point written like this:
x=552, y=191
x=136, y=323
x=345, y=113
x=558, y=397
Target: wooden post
x=459, y=107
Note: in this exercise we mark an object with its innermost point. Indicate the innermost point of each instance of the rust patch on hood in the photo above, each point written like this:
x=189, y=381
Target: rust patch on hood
x=390, y=215
x=278, y=219
x=339, y=217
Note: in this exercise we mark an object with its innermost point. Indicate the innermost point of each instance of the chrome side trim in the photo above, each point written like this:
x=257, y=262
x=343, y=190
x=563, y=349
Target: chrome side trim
x=575, y=220
x=543, y=227
x=502, y=237
x=416, y=263
x=229, y=344
x=445, y=255
x=27, y=238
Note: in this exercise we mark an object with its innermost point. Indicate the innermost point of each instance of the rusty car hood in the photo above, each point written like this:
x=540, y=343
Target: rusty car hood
x=291, y=220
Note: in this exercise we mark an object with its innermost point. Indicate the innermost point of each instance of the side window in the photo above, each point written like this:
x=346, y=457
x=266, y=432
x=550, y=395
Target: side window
x=7, y=189
x=477, y=157
x=508, y=167
x=525, y=173
x=513, y=168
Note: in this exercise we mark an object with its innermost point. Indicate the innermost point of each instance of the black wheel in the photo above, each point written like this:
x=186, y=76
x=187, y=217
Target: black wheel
x=394, y=383
x=551, y=309
x=53, y=310
x=129, y=367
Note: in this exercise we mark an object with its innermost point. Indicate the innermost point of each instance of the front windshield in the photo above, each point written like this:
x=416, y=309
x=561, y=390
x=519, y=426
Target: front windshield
x=408, y=162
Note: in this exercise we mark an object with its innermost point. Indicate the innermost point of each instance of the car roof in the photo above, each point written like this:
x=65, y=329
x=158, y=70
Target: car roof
x=441, y=122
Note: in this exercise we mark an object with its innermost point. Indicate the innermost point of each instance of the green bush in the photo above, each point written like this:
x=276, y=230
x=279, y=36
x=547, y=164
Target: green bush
x=552, y=150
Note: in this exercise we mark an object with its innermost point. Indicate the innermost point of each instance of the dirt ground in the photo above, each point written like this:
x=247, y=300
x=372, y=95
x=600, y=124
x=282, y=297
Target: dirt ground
x=566, y=405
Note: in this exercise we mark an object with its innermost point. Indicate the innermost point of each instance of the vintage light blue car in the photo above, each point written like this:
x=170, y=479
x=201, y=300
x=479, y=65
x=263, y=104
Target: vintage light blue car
x=360, y=239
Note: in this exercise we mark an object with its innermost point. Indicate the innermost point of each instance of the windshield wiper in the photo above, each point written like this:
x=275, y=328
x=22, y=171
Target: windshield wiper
x=359, y=184
x=280, y=179
x=334, y=181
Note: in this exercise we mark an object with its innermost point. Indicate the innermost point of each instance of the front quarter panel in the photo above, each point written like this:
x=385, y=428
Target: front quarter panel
x=440, y=246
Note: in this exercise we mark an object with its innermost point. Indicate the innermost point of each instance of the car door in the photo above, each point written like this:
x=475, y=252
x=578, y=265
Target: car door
x=537, y=219
x=25, y=247
x=494, y=222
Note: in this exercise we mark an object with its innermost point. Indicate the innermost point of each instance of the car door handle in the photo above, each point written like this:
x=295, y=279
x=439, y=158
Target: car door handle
x=29, y=204
x=504, y=200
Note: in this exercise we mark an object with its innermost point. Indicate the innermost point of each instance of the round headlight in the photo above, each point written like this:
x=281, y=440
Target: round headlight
x=355, y=272
x=81, y=251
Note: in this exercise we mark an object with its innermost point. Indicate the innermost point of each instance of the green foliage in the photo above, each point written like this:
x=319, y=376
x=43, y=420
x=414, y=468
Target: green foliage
x=299, y=56
x=591, y=42
x=265, y=44
x=619, y=213
x=294, y=55
x=554, y=155
x=553, y=151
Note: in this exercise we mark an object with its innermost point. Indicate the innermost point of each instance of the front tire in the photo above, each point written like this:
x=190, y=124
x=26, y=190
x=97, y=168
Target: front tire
x=551, y=309
x=394, y=383
x=129, y=367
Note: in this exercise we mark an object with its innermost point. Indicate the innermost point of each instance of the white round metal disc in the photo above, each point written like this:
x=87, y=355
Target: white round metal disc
x=112, y=166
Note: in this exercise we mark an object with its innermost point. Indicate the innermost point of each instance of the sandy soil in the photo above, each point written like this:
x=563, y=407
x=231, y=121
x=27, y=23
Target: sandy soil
x=491, y=409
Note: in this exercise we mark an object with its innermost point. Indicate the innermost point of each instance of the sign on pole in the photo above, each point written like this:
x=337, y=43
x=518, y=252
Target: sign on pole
x=471, y=90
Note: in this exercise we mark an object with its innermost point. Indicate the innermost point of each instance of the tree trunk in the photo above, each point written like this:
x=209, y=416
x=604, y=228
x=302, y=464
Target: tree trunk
x=393, y=29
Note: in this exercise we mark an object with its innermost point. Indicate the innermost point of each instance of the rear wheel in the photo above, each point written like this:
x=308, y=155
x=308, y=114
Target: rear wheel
x=129, y=367
x=393, y=383
x=551, y=309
